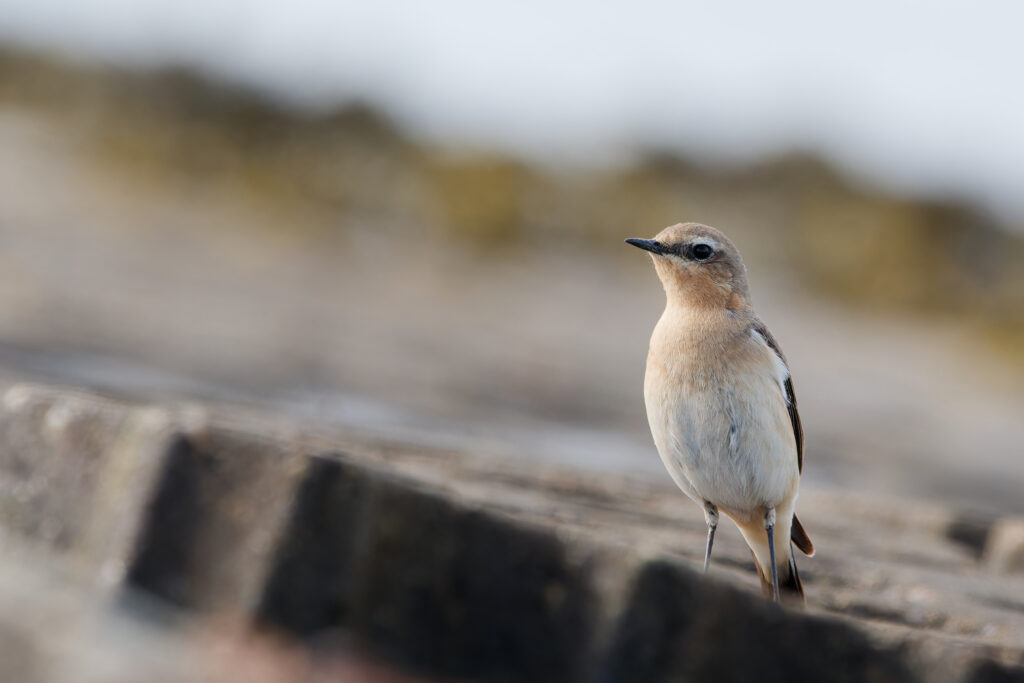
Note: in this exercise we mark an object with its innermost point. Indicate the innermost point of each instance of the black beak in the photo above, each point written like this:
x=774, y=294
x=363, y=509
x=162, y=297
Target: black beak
x=652, y=246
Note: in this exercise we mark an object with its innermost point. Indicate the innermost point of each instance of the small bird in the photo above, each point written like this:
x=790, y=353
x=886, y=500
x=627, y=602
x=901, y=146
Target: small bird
x=720, y=402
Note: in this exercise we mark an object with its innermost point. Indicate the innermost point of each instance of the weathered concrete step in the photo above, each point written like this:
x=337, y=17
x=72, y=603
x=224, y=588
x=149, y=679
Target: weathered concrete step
x=440, y=576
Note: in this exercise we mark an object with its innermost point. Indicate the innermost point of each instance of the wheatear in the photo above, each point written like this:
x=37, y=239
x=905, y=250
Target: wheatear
x=720, y=401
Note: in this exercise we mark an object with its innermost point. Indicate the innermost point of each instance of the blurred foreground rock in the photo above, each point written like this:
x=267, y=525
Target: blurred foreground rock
x=1005, y=547
x=449, y=566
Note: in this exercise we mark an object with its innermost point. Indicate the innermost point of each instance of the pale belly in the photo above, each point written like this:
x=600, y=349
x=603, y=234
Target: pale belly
x=727, y=442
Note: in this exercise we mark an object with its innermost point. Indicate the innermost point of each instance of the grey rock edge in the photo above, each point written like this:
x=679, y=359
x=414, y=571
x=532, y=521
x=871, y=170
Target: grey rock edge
x=459, y=566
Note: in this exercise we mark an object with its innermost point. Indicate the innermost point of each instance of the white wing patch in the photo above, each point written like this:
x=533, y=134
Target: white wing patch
x=781, y=370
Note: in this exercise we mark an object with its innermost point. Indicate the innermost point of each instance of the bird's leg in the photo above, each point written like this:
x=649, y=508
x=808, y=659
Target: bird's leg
x=769, y=526
x=711, y=517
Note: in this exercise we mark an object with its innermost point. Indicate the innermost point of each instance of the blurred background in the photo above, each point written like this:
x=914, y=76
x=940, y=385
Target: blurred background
x=409, y=219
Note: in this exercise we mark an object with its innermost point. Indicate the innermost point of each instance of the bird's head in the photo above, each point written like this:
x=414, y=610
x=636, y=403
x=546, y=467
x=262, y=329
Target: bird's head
x=698, y=266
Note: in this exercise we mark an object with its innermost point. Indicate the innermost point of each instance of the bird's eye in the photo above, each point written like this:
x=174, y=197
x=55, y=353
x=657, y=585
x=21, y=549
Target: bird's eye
x=702, y=252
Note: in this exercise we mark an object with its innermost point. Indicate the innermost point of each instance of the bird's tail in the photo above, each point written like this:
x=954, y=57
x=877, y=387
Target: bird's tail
x=790, y=588
x=800, y=538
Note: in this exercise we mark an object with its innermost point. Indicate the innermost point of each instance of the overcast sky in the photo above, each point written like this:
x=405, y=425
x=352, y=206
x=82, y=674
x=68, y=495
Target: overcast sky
x=923, y=96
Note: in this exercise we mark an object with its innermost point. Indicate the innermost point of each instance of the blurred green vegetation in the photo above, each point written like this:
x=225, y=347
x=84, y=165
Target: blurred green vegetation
x=860, y=245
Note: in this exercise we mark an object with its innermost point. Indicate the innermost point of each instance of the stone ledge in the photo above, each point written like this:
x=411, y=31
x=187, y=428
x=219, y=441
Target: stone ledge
x=429, y=561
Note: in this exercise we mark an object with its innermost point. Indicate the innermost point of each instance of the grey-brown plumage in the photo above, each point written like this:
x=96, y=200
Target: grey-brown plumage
x=720, y=400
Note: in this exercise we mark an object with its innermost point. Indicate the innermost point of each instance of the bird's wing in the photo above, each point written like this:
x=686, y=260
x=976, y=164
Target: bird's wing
x=790, y=395
x=797, y=533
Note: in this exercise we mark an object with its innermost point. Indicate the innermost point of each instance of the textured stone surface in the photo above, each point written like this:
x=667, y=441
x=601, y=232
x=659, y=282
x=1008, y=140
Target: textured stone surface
x=673, y=625
x=75, y=473
x=450, y=564
x=433, y=584
x=214, y=520
x=991, y=672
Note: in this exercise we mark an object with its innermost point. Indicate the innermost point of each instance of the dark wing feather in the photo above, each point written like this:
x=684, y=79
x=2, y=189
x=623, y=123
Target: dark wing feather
x=798, y=428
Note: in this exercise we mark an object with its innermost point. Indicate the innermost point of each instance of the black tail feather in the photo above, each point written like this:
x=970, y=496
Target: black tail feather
x=791, y=589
